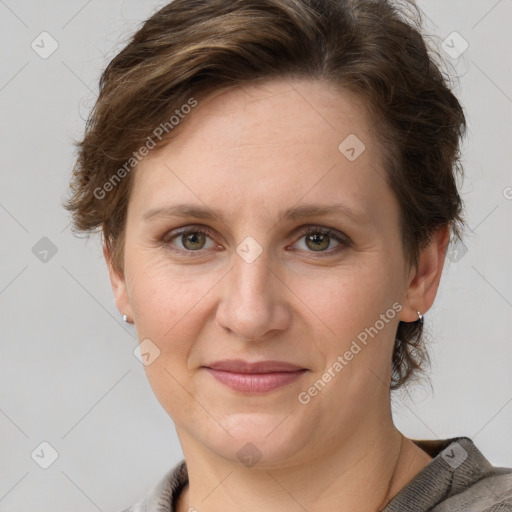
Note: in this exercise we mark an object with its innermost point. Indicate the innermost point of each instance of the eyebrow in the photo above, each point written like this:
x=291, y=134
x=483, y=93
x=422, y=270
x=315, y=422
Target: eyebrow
x=295, y=212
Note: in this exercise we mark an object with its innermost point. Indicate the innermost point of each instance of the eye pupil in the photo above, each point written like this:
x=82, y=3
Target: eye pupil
x=318, y=240
x=196, y=238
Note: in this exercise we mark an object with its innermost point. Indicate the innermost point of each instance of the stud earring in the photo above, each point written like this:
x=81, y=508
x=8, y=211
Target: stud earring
x=420, y=317
x=125, y=318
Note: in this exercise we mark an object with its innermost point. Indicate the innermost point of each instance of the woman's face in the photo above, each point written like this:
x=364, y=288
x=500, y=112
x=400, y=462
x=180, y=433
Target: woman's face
x=259, y=280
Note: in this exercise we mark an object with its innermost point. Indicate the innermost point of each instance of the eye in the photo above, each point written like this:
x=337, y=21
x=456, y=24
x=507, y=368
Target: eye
x=191, y=239
x=318, y=239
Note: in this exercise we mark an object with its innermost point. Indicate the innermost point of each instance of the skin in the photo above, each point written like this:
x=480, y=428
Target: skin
x=250, y=153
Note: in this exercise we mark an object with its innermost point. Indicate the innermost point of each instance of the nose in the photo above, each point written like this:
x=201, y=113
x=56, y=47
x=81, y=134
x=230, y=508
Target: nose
x=254, y=302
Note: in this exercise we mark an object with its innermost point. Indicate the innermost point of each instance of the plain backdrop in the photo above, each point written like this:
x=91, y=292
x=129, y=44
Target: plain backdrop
x=68, y=374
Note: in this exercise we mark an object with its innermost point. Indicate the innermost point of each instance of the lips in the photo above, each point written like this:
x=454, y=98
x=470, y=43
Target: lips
x=241, y=366
x=254, y=377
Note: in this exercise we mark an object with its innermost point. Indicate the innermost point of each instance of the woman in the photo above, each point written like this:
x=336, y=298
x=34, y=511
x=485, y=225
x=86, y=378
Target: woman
x=275, y=183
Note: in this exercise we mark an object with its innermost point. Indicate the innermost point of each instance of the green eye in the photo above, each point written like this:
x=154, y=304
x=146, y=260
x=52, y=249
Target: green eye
x=317, y=239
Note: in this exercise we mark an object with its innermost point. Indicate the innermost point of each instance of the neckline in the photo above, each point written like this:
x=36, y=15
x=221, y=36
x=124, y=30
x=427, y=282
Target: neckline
x=456, y=463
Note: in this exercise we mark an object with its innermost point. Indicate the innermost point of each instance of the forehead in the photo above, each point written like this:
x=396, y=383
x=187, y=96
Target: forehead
x=277, y=113
x=267, y=144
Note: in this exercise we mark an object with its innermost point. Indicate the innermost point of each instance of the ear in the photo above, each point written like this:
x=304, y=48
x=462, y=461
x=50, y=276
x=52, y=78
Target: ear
x=424, y=279
x=118, y=284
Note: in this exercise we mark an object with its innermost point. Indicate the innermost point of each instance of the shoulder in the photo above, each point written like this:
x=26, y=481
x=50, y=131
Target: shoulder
x=492, y=493
x=481, y=497
x=161, y=496
x=458, y=479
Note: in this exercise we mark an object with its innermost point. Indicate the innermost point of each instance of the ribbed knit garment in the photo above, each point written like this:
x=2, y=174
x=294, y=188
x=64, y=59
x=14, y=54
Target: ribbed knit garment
x=458, y=479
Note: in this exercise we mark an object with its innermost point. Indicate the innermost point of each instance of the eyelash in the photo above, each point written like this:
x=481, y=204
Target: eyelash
x=311, y=229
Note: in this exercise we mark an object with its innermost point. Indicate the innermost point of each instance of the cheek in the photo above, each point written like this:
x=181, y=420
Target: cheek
x=169, y=310
x=168, y=301
x=345, y=301
x=348, y=306
x=355, y=341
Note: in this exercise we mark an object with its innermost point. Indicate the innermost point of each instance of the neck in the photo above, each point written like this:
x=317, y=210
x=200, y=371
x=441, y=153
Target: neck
x=363, y=474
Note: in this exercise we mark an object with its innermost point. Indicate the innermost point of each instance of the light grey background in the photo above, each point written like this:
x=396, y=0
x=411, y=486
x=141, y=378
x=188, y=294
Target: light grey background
x=68, y=374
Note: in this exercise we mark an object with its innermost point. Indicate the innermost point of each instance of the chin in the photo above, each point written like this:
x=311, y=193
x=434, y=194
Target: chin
x=260, y=440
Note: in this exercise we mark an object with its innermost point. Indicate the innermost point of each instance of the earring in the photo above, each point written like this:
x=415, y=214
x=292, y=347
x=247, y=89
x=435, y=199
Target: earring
x=420, y=317
x=125, y=318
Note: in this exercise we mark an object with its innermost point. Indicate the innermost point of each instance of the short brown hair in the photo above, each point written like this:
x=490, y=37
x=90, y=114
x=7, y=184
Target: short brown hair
x=371, y=47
